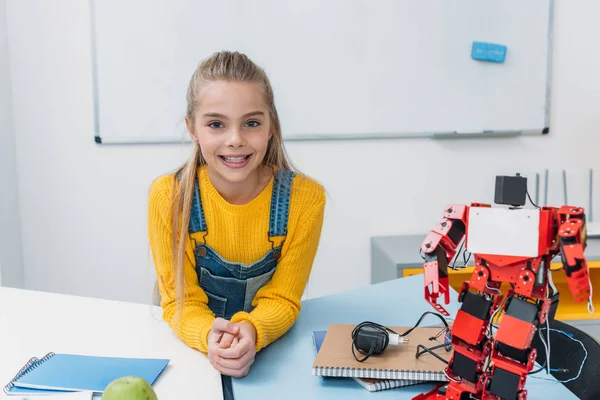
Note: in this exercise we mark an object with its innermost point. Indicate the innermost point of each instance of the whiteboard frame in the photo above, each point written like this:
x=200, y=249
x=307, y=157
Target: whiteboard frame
x=330, y=136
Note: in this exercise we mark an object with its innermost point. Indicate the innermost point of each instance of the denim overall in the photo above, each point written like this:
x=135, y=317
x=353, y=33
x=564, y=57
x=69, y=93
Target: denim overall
x=231, y=287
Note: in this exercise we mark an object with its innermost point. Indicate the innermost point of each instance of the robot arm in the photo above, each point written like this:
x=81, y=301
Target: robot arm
x=572, y=242
x=438, y=248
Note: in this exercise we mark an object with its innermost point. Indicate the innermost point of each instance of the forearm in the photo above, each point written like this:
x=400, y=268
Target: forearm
x=271, y=319
x=193, y=326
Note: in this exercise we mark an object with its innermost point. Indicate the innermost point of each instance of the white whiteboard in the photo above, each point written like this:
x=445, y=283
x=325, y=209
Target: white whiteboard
x=339, y=68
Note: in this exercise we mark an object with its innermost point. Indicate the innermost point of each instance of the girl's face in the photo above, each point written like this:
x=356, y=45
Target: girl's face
x=232, y=127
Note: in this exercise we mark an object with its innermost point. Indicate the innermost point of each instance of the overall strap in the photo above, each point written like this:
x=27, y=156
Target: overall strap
x=280, y=203
x=197, y=221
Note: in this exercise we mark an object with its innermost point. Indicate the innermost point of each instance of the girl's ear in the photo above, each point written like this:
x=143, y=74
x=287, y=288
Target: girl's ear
x=191, y=130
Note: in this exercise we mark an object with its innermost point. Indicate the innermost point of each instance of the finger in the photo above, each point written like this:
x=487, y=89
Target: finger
x=235, y=373
x=223, y=325
x=211, y=351
x=214, y=337
x=244, y=346
x=226, y=340
x=236, y=364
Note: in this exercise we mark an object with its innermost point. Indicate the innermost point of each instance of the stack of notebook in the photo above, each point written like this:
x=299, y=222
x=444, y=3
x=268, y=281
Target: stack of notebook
x=62, y=373
x=397, y=366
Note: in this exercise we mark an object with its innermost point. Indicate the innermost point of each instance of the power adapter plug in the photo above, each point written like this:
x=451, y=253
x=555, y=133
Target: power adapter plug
x=370, y=339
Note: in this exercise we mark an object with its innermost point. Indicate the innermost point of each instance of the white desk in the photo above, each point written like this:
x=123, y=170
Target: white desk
x=35, y=323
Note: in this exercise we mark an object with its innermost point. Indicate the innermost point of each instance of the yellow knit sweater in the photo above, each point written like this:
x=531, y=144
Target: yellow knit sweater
x=239, y=234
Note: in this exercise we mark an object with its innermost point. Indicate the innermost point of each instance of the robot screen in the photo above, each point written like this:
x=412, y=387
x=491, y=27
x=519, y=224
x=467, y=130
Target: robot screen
x=503, y=231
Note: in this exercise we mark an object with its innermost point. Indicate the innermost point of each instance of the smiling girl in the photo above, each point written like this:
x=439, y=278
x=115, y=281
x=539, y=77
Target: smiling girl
x=234, y=231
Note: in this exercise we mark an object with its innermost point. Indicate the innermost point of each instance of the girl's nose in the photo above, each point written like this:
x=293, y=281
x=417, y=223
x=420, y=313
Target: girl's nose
x=235, y=138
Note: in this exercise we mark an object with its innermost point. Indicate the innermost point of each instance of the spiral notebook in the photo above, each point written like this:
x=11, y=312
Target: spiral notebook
x=73, y=372
x=52, y=395
x=372, y=385
x=335, y=357
x=47, y=393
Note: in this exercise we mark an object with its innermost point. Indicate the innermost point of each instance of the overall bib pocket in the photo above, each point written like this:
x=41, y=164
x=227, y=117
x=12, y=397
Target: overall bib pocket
x=253, y=285
x=217, y=304
x=218, y=289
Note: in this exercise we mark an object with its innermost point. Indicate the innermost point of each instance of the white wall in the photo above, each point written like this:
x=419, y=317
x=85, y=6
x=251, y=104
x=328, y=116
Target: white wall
x=83, y=206
x=11, y=268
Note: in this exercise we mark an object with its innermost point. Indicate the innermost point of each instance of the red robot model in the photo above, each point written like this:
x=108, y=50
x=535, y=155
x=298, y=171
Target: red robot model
x=511, y=245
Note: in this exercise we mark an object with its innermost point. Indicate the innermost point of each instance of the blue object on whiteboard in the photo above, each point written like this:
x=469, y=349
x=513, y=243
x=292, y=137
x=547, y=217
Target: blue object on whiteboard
x=488, y=52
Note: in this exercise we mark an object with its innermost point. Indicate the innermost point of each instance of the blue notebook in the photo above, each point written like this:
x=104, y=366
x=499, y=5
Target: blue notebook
x=19, y=391
x=72, y=372
x=318, y=337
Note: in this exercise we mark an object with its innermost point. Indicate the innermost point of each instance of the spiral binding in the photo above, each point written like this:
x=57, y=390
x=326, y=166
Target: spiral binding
x=372, y=373
x=30, y=365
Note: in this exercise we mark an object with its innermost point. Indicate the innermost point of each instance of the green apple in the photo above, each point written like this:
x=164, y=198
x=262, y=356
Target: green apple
x=129, y=388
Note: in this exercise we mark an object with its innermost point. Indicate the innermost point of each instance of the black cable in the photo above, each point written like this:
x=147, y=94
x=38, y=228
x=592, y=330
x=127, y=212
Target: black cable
x=423, y=316
x=370, y=352
x=537, y=370
x=467, y=259
x=543, y=367
x=429, y=350
x=531, y=201
x=454, y=261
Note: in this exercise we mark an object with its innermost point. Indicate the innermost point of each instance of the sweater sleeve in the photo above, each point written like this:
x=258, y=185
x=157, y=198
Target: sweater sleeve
x=277, y=304
x=196, y=320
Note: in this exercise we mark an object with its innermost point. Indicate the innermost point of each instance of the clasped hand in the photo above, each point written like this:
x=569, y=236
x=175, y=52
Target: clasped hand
x=231, y=347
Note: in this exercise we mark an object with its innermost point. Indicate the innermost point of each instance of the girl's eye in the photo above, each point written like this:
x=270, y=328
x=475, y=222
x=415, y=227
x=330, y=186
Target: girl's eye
x=215, y=125
x=253, y=124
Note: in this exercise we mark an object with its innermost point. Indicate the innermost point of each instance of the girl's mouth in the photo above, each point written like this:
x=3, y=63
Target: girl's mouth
x=237, y=161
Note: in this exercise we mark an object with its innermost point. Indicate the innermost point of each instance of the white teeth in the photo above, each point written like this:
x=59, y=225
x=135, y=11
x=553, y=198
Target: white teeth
x=235, y=159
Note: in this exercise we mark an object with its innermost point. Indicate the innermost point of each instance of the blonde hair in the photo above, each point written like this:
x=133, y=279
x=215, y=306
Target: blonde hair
x=221, y=66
